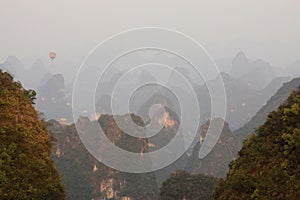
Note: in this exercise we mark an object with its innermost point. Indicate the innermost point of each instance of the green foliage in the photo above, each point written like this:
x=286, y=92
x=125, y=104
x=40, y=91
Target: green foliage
x=268, y=166
x=182, y=185
x=26, y=169
x=31, y=94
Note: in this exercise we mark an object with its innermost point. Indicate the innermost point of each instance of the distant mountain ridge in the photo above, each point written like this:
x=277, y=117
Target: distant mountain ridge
x=29, y=77
x=52, y=99
x=256, y=74
x=242, y=101
x=268, y=164
x=276, y=100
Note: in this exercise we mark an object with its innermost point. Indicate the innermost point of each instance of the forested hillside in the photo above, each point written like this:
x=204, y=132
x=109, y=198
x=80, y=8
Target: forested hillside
x=26, y=168
x=268, y=166
x=182, y=185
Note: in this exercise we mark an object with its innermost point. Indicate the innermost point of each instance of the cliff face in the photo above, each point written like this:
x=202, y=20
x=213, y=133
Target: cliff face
x=87, y=178
x=216, y=162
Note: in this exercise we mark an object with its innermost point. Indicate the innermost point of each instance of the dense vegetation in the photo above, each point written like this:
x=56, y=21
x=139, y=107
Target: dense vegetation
x=26, y=168
x=268, y=166
x=182, y=185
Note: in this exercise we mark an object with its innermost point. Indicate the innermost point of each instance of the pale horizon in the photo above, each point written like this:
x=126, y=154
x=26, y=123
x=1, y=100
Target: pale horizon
x=268, y=30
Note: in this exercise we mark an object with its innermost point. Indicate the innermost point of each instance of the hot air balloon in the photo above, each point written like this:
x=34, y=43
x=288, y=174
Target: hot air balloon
x=52, y=55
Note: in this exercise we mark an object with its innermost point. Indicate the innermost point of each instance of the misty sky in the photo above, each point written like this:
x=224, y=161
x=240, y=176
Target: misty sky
x=267, y=29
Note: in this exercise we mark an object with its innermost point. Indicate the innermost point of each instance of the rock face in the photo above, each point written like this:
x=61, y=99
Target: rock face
x=216, y=162
x=86, y=178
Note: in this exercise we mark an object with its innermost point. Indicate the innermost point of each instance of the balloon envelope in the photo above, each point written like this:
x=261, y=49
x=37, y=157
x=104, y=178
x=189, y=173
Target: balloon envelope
x=52, y=55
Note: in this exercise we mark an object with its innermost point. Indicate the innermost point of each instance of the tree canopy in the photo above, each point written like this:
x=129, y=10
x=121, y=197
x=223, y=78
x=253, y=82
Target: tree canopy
x=268, y=166
x=182, y=185
x=26, y=168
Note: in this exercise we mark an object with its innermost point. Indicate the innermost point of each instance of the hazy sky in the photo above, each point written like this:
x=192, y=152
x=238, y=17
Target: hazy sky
x=268, y=29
